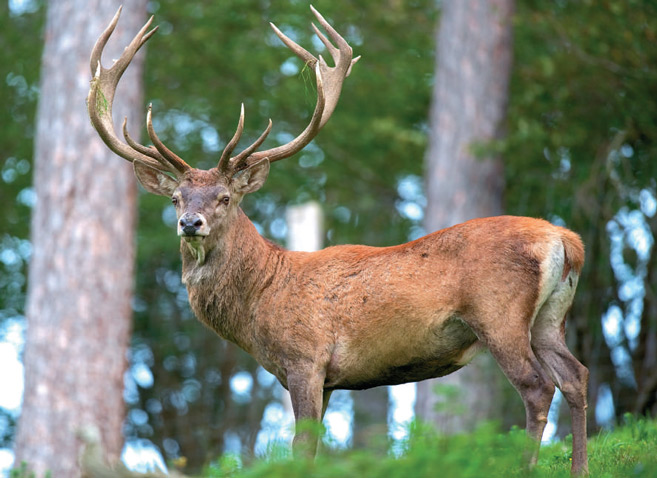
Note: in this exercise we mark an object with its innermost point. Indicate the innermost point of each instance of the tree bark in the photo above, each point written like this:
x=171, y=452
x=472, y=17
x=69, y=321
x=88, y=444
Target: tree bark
x=81, y=273
x=464, y=181
x=370, y=427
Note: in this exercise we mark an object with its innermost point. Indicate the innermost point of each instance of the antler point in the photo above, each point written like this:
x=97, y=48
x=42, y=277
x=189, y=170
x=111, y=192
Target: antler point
x=115, y=19
x=276, y=29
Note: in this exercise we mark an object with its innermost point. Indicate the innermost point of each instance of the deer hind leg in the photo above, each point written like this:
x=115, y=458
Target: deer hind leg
x=508, y=340
x=520, y=365
x=548, y=343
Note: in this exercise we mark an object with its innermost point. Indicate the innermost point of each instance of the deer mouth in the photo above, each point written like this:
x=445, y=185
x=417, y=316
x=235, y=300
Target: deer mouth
x=195, y=237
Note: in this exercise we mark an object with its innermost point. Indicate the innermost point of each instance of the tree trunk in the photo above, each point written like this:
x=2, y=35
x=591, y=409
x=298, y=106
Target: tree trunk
x=464, y=181
x=370, y=427
x=81, y=273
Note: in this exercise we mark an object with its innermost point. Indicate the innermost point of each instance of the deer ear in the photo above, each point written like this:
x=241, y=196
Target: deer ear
x=252, y=178
x=153, y=180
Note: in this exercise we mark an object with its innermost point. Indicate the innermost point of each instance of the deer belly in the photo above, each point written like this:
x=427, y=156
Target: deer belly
x=402, y=357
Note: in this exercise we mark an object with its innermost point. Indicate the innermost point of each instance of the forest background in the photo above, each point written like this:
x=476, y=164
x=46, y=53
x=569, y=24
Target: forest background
x=580, y=150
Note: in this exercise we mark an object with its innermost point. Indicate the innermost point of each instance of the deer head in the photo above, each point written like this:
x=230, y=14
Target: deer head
x=207, y=202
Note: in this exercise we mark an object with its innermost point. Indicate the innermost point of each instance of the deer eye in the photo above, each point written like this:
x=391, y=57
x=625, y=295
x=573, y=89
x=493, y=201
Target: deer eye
x=174, y=201
x=225, y=200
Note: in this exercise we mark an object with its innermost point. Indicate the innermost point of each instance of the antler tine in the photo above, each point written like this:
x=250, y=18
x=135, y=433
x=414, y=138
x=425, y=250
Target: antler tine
x=239, y=161
x=169, y=155
x=228, y=150
x=335, y=52
x=335, y=36
x=307, y=57
x=343, y=58
x=329, y=87
x=129, y=52
x=147, y=150
x=101, y=97
x=329, y=46
x=298, y=143
x=99, y=46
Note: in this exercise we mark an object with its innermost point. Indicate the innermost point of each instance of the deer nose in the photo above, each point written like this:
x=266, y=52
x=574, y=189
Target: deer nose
x=190, y=223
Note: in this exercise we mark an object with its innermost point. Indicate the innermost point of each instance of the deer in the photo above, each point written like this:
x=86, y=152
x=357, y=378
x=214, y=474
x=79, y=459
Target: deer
x=354, y=316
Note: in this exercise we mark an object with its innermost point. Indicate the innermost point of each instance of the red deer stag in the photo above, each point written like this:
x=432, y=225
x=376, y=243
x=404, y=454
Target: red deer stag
x=353, y=317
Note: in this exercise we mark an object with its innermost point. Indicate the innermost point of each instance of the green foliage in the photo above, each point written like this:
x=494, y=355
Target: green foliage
x=20, y=47
x=23, y=471
x=625, y=452
x=227, y=466
x=19, y=66
x=584, y=72
x=640, y=429
x=449, y=399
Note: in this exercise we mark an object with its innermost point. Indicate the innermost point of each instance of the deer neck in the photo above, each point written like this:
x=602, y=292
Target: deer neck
x=225, y=288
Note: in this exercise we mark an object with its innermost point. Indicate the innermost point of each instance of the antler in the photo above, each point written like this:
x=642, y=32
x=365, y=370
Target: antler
x=329, y=86
x=104, y=83
x=101, y=97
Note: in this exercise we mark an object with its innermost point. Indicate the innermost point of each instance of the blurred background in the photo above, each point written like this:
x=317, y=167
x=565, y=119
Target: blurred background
x=557, y=107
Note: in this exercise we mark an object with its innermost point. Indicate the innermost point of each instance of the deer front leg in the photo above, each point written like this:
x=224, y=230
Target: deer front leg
x=308, y=402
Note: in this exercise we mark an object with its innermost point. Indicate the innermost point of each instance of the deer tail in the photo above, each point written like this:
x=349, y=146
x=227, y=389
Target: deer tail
x=573, y=252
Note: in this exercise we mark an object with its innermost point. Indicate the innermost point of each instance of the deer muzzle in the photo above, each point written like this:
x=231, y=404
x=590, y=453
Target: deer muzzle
x=193, y=225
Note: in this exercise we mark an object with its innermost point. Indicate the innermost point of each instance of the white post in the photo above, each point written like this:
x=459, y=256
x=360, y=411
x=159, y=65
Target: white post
x=305, y=227
x=305, y=224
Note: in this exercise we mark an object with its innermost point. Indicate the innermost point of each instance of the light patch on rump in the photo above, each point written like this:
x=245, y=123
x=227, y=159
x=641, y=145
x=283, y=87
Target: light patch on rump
x=552, y=313
x=547, y=330
x=552, y=266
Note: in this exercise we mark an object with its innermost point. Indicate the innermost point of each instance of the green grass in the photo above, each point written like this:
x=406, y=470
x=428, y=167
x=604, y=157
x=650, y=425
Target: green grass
x=628, y=451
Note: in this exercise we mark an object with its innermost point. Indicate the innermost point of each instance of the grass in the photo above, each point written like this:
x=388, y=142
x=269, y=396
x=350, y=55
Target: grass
x=628, y=451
